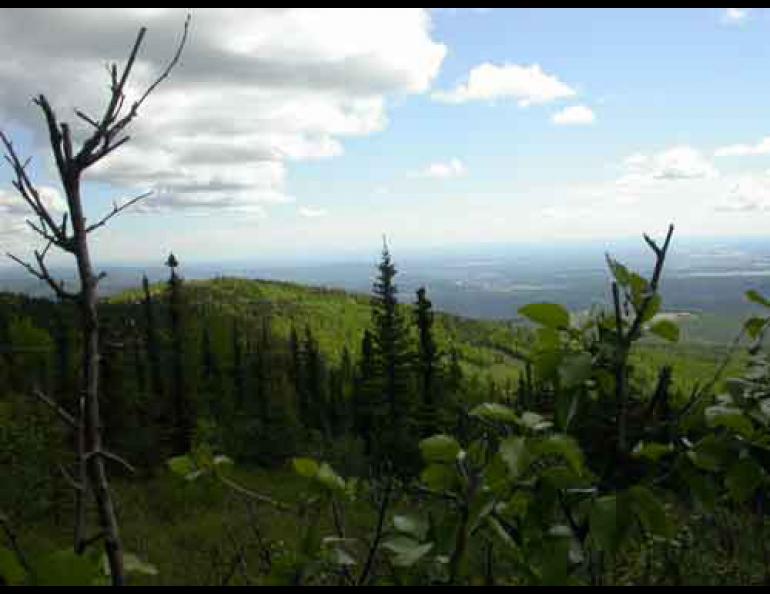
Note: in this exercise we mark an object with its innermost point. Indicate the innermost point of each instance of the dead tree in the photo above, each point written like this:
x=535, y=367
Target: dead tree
x=106, y=134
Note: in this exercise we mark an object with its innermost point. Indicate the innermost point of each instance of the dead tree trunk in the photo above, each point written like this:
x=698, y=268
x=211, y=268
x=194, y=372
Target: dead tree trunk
x=71, y=236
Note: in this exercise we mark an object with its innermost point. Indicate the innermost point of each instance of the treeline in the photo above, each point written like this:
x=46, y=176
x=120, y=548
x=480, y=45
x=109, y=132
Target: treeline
x=178, y=369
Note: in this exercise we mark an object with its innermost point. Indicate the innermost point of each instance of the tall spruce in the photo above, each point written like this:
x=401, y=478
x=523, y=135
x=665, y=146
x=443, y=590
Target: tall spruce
x=152, y=344
x=315, y=383
x=296, y=372
x=364, y=393
x=239, y=369
x=392, y=360
x=183, y=421
x=427, y=365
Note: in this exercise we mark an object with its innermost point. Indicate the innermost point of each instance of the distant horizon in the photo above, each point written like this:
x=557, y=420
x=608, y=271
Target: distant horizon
x=632, y=244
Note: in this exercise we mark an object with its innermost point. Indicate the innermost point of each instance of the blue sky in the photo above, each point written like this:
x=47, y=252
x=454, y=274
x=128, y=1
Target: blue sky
x=380, y=128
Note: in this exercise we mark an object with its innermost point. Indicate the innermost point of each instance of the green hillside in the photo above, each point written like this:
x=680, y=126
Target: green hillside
x=338, y=319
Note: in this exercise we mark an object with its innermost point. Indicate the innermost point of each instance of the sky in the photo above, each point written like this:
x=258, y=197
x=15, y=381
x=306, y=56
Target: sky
x=308, y=133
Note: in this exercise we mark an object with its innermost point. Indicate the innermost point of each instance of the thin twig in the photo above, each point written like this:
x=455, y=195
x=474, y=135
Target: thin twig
x=13, y=543
x=116, y=210
x=255, y=496
x=375, y=543
x=59, y=410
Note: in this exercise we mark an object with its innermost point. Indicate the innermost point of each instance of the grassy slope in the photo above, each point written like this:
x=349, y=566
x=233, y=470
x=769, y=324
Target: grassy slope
x=338, y=318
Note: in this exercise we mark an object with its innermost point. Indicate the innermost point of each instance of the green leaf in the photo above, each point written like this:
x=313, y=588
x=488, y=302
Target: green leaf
x=407, y=550
x=132, y=564
x=730, y=417
x=650, y=511
x=551, y=315
x=439, y=477
x=330, y=479
x=652, y=451
x=184, y=466
x=548, y=338
x=619, y=272
x=496, y=475
x=339, y=550
x=666, y=329
x=501, y=533
x=575, y=369
x=513, y=451
x=306, y=467
x=711, y=453
x=535, y=422
x=755, y=297
x=653, y=307
x=411, y=524
x=564, y=446
x=440, y=448
x=743, y=478
x=639, y=287
x=492, y=411
x=754, y=326
x=606, y=530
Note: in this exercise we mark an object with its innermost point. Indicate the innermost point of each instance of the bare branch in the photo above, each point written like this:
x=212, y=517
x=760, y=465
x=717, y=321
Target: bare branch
x=70, y=480
x=105, y=150
x=378, y=533
x=110, y=126
x=253, y=495
x=163, y=76
x=85, y=543
x=86, y=118
x=116, y=210
x=45, y=276
x=27, y=190
x=40, y=230
x=110, y=456
x=55, y=135
x=59, y=410
x=13, y=543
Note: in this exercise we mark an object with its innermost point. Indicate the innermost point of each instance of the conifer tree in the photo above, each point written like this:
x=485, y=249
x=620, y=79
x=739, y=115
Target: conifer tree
x=392, y=359
x=152, y=343
x=239, y=372
x=315, y=383
x=364, y=393
x=296, y=371
x=427, y=365
x=211, y=376
x=183, y=421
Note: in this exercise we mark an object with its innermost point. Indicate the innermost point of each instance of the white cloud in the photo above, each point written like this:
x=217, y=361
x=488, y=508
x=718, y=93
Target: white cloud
x=440, y=170
x=735, y=15
x=748, y=194
x=528, y=85
x=574, y=115
x=255, y=88
x=743, y=150
x=312, y=213
x=675, y=163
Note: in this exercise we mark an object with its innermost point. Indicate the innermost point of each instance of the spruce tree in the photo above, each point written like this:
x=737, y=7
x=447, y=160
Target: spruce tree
x=239, y=372
x=152, y=344
x=392, y=359
x=296, y=371
x=315, y=383
x=364, y=394
x=427, y=365
x=183, y=419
